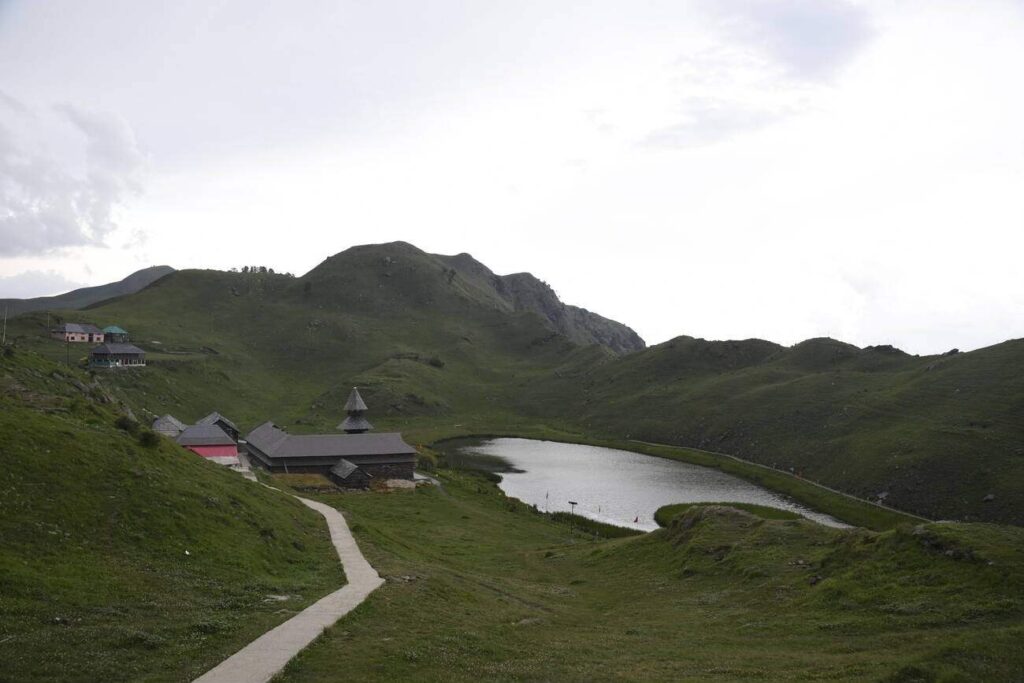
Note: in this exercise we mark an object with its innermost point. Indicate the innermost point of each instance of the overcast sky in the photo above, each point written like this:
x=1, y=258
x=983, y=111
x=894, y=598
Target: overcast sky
x=724, y=169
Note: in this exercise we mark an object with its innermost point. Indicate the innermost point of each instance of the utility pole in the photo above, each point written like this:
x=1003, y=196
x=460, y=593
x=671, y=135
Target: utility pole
x=3, y=342
x=572, y=516
x=67, y=350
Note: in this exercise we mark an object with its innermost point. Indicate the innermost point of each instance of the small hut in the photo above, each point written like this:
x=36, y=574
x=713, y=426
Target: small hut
x=349, y=476
x=168, y=425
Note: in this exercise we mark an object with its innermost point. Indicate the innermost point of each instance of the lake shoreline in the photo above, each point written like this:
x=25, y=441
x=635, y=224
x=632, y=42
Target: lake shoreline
x=837, y=504
x=609, y=485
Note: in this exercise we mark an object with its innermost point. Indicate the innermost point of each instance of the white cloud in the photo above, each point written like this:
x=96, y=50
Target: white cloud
x=64, y=173
x=768, y=61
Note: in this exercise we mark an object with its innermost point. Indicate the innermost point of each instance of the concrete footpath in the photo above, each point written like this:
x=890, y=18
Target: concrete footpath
x=264, y=657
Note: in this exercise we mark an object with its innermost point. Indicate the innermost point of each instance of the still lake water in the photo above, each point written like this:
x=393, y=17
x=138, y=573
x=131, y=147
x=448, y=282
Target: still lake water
x=610, y=485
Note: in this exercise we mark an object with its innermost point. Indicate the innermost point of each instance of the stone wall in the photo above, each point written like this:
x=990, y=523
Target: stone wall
x=390, y=471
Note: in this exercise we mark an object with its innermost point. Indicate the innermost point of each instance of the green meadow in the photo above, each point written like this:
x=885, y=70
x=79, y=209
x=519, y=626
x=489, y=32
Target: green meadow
x=482, y=587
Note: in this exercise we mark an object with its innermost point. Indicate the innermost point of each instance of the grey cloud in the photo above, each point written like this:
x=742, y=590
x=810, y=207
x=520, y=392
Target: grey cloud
x=44, y=205
x=812, y=39
x=12, y=103
x=708, y=121
x=33, y=283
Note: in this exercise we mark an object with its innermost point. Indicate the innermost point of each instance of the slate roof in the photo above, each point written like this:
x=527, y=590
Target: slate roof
x=168, y=421
x=276, y=443
x=110, y=349
x=355, y=402
x=214, y=417
x=204, y=435
x=355, y=423
x=79, y=328
x=343, y=469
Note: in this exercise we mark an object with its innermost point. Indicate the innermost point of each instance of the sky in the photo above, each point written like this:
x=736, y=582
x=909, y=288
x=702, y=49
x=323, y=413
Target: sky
x=725, y=169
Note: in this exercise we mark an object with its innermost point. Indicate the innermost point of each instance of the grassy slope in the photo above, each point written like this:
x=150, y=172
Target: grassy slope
x=442, y=357
x=480, y=587
x=96, y=584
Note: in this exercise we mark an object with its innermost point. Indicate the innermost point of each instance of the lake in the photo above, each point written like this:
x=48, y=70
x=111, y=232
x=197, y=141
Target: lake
x=609, y=485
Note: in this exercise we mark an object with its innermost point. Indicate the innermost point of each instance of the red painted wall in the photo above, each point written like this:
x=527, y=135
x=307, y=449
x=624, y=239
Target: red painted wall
x=210, y=451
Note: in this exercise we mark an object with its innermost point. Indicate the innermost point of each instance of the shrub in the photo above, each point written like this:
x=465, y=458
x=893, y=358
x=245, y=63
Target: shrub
x=126, y=424
x=149, y=438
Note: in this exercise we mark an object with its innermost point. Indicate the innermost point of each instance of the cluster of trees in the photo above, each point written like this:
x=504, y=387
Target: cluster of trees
x=261, y=270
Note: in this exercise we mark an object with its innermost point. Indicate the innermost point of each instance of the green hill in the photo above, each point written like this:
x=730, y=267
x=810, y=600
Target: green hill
x=88, y=296
x=125, y=557
x=441, y=346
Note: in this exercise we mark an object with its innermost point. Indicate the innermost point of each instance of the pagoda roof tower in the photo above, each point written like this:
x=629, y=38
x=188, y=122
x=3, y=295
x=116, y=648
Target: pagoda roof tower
x=355, y=423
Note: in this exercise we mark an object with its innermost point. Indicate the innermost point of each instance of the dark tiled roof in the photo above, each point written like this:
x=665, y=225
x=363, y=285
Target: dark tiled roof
x=355, y=402
x=276, y=443
x=343, y=469
x=205, y=435
x=213, y=417
x=355, y=423
x=169, y=421
x=109, y=349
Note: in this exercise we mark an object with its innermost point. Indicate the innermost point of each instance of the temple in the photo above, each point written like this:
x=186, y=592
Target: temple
x=351, y=460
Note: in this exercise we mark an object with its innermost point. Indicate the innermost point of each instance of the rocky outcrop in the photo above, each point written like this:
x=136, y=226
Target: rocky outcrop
x=528, y=293
x=525, y=292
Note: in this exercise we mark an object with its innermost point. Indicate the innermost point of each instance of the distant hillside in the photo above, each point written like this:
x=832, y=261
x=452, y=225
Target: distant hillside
x=942, y=436
x=440, y=346
x=389, y=318
x=88, y=296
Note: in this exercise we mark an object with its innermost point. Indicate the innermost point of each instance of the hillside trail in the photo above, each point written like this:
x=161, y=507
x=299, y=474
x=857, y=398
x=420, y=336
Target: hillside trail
x=264, y=657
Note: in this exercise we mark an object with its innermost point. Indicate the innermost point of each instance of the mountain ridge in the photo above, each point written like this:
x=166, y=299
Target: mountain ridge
x=88, y=296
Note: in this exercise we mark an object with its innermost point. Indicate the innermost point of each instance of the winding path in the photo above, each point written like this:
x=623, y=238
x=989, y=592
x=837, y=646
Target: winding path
x=264, y=657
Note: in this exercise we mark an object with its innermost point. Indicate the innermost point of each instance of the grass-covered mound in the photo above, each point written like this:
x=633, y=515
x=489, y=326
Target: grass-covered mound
x=666, y=513
x=482, y=588
x=125, y=561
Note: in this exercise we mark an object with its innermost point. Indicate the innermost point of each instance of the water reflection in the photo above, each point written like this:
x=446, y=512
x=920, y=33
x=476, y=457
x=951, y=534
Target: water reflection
x=618, y=487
